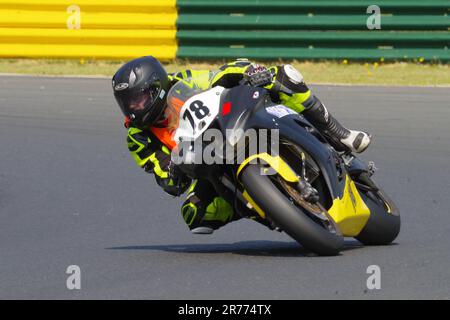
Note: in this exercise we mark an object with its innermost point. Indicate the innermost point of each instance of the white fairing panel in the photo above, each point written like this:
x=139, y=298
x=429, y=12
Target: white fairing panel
x=280, y=111
x=197, y=114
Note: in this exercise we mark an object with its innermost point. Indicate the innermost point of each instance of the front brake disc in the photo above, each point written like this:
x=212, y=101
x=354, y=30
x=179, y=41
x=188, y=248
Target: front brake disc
x=316, y=209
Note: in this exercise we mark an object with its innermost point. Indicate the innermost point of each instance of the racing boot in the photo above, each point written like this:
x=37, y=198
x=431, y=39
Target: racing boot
x=339, y=137
x=205, y=218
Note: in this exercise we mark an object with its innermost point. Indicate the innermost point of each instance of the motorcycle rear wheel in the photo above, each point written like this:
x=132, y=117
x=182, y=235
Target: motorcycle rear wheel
x=383, y=225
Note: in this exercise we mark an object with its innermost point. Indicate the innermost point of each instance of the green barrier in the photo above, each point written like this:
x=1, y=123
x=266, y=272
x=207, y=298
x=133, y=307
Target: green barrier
x=312, y=6
x=306, y=22
x=302, y=38
x=320, y=29
x=310, y=54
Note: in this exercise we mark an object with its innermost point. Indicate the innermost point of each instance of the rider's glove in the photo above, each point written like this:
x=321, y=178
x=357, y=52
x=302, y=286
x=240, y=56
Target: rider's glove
x=178, y=181
x=257, y=75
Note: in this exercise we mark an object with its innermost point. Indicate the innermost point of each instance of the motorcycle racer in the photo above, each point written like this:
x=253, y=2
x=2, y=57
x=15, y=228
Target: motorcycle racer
x=140, y=88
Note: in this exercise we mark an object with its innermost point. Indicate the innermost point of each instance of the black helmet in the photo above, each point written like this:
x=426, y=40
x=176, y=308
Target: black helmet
x=140, y=88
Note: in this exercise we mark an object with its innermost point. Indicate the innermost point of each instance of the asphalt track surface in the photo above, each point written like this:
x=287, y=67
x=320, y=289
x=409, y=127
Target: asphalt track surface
x=70, y=194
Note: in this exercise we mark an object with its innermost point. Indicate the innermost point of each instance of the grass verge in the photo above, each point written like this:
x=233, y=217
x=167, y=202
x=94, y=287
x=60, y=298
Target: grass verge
x=379, y=73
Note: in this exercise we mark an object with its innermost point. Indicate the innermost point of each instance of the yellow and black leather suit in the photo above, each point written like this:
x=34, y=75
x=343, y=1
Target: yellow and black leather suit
x=203, y=207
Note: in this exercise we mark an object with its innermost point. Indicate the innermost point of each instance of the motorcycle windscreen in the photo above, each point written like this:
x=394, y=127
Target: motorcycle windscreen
x=180, y=93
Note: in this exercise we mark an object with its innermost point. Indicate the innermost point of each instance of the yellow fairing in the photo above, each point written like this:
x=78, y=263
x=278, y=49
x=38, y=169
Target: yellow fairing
x=276, y=163
x=254, y=205
x=350, y=212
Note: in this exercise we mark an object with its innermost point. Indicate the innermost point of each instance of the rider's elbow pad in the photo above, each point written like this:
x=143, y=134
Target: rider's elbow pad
x=289, y=80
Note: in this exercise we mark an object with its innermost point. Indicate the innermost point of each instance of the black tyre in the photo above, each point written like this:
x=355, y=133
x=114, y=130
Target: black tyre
x=288, y=216
x=383, y=226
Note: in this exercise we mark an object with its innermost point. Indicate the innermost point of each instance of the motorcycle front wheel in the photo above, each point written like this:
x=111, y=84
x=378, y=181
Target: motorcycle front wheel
x=285, y=214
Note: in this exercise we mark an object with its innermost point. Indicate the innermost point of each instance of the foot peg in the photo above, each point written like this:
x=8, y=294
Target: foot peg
x=372, y=168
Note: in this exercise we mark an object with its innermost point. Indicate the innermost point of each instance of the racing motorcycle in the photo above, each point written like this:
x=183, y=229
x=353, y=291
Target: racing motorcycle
x=306, y=188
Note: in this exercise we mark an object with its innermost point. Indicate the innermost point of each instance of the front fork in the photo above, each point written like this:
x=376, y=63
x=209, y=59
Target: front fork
x=285, y=172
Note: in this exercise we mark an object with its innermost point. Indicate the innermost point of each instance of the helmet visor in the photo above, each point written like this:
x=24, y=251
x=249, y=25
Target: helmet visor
x=137, y=103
